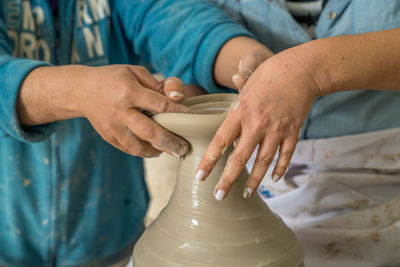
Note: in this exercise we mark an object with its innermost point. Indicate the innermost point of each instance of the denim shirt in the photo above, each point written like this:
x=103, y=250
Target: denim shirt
x=68, y=198
x=342, y=113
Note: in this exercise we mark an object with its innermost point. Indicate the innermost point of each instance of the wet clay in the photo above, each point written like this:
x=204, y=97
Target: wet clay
x=197, y=230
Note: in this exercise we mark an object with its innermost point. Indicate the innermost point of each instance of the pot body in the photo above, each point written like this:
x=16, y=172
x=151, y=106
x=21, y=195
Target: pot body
x=195, y=229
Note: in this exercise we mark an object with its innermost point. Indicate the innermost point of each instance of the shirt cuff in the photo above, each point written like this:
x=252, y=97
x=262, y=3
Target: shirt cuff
x=13, y=72
x=207, y=53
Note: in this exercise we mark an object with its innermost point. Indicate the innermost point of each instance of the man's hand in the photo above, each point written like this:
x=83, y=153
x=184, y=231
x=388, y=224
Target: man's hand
x=112, y=98
x=268, y=112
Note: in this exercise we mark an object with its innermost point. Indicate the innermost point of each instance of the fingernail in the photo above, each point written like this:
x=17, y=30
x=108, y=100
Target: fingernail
x=175, y=94
x=275, y=178
x=220, y=195
x=199, y=175
x=247, y=192
x=236, y=141
x=175, y=155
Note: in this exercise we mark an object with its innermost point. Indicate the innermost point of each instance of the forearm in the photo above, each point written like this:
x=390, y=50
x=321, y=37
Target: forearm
x=227, y=61
x=48, y=94
x=362, y=61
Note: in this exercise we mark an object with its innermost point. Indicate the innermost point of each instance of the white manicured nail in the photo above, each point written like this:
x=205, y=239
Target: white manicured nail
x=220, y=194
x=174, y=94
x=247, y=192
x=176, y=155
x=236, y=141
x=276, y=178
x=199, y=175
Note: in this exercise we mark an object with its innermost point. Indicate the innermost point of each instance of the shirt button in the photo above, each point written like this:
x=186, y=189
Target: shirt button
x=332, y=15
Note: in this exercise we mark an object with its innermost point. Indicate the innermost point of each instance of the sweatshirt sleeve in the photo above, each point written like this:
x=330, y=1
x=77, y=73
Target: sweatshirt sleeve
x=12, y=73
x=179, y=38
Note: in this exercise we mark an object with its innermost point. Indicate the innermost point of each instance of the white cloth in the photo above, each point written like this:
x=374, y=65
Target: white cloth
x=341, y=196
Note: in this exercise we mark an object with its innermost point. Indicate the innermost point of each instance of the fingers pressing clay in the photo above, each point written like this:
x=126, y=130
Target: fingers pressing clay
x=149, y=131
x=173, y=88
x=224, y=137
x=235, y=165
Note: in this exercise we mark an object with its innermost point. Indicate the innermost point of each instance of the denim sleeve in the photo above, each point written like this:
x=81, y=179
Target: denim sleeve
x=179, y=38
x=12, y=73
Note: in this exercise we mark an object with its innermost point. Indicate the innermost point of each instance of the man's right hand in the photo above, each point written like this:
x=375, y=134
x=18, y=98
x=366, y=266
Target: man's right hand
x=112, y=98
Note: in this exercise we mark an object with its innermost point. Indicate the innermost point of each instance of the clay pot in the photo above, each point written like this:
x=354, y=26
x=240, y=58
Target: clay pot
x=197, y=230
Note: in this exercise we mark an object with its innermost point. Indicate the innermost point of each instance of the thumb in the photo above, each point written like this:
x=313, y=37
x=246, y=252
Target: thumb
x=239, y=79
x=173, y=89
x=247, y=65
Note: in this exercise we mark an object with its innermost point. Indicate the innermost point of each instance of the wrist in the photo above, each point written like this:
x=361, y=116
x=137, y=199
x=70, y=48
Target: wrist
x=50, y=94
x=314, y=65
x=81, y=79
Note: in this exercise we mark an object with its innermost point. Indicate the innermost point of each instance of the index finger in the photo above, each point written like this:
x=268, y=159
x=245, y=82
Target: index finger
x=153, y=101
x=224, y=137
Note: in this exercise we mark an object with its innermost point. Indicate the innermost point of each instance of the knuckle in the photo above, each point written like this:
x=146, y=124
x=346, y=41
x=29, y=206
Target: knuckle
x=264, y=160
x=220, y=141
x=286, y=154
x=124, y=92
x=239, y=159
x=260, y=124
x=254, y=181
x=147, y=131
x=293, y=128
x=162, y=105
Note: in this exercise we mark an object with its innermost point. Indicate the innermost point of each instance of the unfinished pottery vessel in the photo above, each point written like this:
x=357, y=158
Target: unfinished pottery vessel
x=197, y=230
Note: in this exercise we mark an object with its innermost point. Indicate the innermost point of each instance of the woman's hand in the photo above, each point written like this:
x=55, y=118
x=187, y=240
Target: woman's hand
x=269, y=112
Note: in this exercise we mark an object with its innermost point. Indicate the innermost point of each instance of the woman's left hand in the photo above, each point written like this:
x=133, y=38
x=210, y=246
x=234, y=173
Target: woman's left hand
x=269, y=112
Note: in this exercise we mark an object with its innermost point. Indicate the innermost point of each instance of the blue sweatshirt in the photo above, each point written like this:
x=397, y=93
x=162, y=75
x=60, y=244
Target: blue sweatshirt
x=67, y=197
